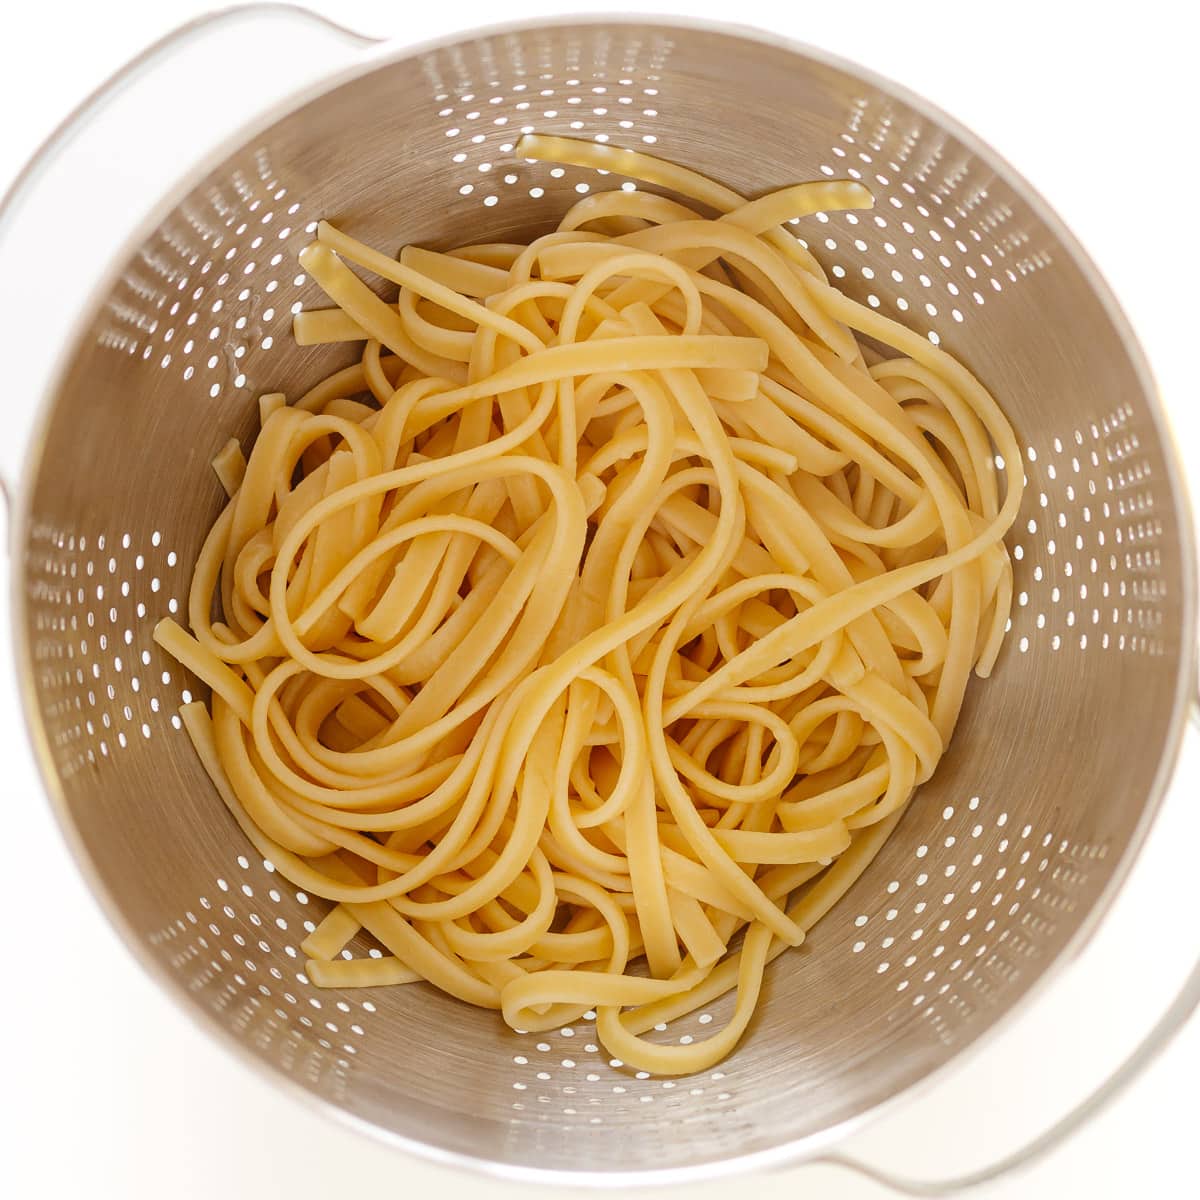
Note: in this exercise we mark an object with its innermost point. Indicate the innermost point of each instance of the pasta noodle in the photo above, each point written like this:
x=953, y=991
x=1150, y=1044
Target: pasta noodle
x=585, y=640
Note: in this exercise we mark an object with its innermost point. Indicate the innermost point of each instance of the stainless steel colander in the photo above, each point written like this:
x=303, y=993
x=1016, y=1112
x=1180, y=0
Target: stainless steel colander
x=1003, y=861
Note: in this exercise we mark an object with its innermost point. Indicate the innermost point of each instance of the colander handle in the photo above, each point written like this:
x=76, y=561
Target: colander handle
x=257, y=27
x=154, y=55
x=1183, y=1006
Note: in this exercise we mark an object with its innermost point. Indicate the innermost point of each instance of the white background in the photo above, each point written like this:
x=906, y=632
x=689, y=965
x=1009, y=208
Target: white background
x=114, y=1094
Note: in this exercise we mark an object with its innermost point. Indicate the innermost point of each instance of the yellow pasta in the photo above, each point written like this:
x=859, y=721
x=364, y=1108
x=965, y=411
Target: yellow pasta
x=610, y=609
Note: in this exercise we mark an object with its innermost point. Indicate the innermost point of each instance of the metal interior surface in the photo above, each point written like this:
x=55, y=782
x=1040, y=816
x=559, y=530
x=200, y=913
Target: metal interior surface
x=1001, y=858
